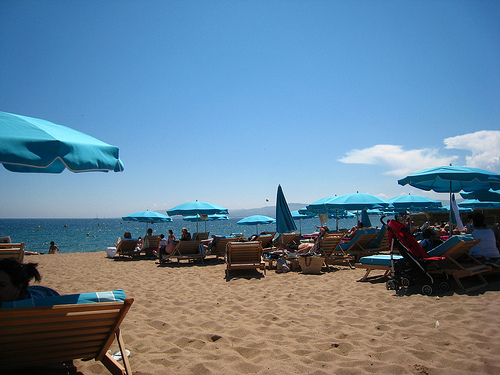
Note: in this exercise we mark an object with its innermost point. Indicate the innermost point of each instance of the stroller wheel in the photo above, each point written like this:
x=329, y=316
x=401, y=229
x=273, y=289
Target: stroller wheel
x=405, y=282
x=427, y=290
x=391, y=285
x=443, y=286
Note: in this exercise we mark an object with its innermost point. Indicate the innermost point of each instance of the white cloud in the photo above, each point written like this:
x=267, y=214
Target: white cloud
x=484, y=145
x=400, y=162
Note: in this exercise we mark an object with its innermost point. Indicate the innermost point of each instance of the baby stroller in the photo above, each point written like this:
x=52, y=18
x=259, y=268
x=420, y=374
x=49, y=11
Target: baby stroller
x=413, y=267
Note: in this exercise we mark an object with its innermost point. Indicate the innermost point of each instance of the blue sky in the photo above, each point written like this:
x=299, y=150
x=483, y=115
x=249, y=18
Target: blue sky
x=221, y=101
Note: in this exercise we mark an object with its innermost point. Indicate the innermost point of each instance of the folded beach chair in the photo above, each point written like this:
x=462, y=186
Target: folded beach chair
x=219, y=248
x=244, y=255
x=63, y=328
x=359, y=246
x=187, y=250
x=127, y=248
x=12, y=250
x=199, y=236
x=459, y=263
x=333, y=253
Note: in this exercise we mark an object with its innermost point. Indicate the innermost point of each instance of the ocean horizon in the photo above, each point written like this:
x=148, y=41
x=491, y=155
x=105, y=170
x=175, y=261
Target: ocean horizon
x=91, y=235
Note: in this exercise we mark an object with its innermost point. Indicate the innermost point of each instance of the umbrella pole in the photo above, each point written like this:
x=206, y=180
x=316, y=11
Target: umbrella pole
x=451, y=229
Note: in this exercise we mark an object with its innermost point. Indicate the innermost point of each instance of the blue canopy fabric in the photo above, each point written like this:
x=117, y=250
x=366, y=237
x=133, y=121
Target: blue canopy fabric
x=197, y=208
x=356, y=201
x=452, y=179
x=147, y=217
x=205, y=217
x=32, y=145
x=297, y=215
x=407, y=202
x=365, y=219
x=284, y=219
x=256, y=219
x=475, y=203
x=483, y=195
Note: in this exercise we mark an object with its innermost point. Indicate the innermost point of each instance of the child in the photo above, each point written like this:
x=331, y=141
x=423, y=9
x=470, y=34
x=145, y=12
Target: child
x=53, y=248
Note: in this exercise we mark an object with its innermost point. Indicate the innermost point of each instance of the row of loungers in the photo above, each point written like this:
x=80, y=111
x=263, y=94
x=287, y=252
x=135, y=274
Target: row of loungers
x=458, y=263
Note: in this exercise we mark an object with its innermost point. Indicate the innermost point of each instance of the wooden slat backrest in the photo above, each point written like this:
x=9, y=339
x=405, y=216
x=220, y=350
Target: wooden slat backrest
x=363, y=241
x=244, y=252
x=41, y=335
x=154, y=241
x=220, y=245
x=201, y=236
x=265, y=239
x=329, y=243
x=187, y=248
x=127, y=248
x=12, y=250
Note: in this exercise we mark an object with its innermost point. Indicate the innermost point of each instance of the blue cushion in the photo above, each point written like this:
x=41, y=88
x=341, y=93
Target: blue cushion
x=448, y=244
x=345, y=246
x=379, y=260
x=111, y=296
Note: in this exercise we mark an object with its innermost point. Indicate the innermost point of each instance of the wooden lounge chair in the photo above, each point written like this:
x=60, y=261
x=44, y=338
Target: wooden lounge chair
x=219, y=249
x=359, y=246
x=265, y=239
x=154, y=243
x=329, y=248
x=376, y=262
x=459, y=263
x=187, y=250
x=12, y=250
x=244, y=255
x=44, y=335
x=286, y=239
x=127, y=248
x=200, y=236
x=453, y=249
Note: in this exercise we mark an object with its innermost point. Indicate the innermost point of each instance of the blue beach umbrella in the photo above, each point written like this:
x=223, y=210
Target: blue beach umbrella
x=356, y=201
x=407, y=202
x=147, y=217
x=205, y=218
x=297, y=215
x=483, y=195
x=284, y=219
x=32, y=145
x=474, y=203
x=452, y=179
x=256, y=220
x=197, y=208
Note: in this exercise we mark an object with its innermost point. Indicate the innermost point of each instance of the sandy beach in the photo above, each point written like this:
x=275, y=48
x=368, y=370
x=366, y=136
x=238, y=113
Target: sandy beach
x=187, y=319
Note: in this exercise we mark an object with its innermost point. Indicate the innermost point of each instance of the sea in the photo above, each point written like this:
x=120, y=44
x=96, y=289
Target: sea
x=91, y=235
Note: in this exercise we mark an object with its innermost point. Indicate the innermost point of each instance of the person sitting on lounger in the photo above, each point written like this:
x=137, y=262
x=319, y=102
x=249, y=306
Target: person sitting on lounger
x=352, y=233
x=430, y=239
x=312, y=246
x=15, y=278
x=487, y=248
x=186, y=236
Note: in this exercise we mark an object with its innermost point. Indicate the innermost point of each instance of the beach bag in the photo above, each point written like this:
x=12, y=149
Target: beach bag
x=311, y=264
x=282, y=266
